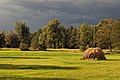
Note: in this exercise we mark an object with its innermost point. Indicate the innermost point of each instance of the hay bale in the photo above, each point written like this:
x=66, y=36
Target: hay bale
x=94, y=53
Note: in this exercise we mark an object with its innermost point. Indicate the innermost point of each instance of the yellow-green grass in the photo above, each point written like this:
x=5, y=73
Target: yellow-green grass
x=56, y=65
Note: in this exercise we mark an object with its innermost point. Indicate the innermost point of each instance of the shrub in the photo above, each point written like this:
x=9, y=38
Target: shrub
x=34, y=45
x=117, y=47
x=23, y=46
x=42, y=47
x=82, y=48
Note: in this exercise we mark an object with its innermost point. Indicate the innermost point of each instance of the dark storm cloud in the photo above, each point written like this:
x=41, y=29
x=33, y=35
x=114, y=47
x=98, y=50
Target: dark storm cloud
x=37, y=13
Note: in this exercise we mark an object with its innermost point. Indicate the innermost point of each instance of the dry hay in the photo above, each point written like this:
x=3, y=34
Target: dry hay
x=9, y=49
x=94, y=53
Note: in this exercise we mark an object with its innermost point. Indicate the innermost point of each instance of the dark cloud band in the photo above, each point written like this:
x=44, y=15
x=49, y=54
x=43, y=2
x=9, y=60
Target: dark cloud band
x=36, y=13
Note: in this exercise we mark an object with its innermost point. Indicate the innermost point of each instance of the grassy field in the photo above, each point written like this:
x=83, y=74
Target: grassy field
x=56, y=65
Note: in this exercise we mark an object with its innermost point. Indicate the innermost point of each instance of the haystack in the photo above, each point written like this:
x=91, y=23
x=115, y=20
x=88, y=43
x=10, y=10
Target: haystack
x=94, y=53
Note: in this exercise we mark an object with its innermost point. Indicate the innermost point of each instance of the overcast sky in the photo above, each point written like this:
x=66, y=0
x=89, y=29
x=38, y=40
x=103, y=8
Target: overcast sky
x=37, y=13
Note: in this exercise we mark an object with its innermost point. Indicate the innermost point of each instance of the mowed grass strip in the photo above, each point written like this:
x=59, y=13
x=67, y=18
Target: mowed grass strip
x=56, y=65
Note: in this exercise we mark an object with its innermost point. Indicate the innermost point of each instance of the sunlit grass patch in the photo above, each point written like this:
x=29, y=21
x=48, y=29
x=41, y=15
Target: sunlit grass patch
x=56, y=65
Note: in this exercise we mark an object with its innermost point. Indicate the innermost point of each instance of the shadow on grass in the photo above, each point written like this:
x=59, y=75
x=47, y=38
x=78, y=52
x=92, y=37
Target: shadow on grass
x=113, y=59
x=24, y=58
x=26, y=78
x=35, y=67
x=101, y=60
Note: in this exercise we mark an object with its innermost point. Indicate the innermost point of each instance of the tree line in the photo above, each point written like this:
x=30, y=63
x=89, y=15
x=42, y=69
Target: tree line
x=106, y=35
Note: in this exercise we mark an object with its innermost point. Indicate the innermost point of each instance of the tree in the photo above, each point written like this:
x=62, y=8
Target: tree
x=78, y=39
x=52, y=33
x=11, y=40
x=61, y=36
x=86, y=34
x=34, y=41
x=38, y=41
x=73, y=38
x=23, y=34
x=107, y=33
x=115, y=39
x=68, y=32
x=42, y=39
x=94, y=29
x=2, y=39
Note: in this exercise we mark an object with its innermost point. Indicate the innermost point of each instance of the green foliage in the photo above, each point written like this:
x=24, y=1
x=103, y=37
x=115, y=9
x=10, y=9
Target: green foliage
x=23, y=34
x=11, y=40
x=42, y=39
x=77, y=39
x=2, y=39
x=82, y=48
x=108, y=33
x=68, y=32
x=86, y=34
x=72, y=37
x=34, y=44
x=42, y=47
x=35, y=40
x=61, y=36
x=117, y=46
x=22, y=30
x=23, y=46
x=52, y=33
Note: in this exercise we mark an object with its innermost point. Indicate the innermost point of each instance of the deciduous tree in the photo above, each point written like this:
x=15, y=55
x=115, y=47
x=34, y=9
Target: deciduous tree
x=23, y=34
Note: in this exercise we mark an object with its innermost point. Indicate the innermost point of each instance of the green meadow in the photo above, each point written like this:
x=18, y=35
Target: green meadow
x=56, y=65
